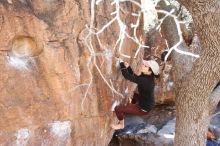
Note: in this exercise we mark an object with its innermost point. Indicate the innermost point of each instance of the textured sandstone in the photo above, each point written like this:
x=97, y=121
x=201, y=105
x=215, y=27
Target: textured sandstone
x=50, y=91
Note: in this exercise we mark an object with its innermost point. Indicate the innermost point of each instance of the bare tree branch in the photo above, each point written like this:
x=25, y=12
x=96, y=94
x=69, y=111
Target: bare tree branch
x=170, y=31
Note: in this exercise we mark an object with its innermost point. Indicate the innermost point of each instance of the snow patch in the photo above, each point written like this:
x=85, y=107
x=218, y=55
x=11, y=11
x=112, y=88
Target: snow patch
x=20, y=63
x=148, y=129
x=170, y=136
x=168, y=130
x=60, y=129
x=22, y=137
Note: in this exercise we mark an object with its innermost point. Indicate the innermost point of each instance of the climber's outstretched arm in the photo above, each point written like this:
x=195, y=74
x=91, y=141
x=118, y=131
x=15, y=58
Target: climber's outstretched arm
x=129, y=74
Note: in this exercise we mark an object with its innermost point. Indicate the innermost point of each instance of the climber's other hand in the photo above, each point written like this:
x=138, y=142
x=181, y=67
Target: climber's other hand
x=126, y=64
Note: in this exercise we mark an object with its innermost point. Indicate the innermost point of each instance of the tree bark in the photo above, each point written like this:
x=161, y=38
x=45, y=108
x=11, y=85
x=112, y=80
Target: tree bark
x=192, y=98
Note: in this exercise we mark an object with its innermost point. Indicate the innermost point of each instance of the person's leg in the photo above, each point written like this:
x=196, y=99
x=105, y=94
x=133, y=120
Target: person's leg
x=119, y=125
x=128, y=109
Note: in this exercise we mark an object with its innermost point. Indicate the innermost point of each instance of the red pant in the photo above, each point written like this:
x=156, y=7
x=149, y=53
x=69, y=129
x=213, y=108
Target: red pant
x=134, y=108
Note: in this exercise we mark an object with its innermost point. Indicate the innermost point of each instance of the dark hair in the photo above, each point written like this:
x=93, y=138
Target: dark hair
x=156, y=76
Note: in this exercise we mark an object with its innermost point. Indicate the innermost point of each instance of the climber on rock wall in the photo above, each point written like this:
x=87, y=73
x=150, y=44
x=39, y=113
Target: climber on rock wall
x=142, y=102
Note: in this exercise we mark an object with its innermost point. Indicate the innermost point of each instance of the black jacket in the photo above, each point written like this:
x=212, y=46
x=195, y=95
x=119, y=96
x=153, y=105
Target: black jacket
x=145, y=86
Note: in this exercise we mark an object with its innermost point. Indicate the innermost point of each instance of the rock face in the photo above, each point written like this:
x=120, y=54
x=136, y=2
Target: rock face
x=46, y=97
x=54, y=90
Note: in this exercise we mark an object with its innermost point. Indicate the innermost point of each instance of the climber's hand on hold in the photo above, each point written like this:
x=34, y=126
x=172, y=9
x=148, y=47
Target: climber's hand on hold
x=126, y=64
x=119, y=60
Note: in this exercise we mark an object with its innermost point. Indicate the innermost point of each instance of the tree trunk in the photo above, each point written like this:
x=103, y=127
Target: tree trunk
x=192, y=100
x=195, y=83
x=192, y=104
